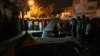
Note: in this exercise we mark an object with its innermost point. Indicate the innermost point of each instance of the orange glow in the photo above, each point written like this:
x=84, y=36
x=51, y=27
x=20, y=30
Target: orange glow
x=66, y=14
x=31, y=2
x=34, y=11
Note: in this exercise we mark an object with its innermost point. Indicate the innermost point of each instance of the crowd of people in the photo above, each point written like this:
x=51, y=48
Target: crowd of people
x=81, y=26
x=85, y=28
x=30, y=24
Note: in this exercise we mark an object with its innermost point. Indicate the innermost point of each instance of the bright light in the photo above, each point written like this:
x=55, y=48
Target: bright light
x=34, y=11
x=30, y=2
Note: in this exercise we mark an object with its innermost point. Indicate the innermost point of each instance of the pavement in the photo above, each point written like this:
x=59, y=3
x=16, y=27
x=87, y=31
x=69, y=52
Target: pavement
x=17, y=37
x=55, y=40
x=7, y=43
x=40, y=40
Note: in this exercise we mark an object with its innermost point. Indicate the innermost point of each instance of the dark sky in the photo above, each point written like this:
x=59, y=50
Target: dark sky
x=58, y=3
x=63, y=3
x=92, y=0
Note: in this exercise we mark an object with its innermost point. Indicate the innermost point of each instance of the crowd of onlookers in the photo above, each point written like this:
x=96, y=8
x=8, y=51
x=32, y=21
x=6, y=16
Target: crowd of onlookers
x=31, y=24
x=85, y=28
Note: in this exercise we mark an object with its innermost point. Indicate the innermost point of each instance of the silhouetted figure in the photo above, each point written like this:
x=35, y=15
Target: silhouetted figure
x=79, y=27
x=74, y=27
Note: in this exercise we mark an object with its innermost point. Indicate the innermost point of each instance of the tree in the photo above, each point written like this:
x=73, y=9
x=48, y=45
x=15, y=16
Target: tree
x=7, y=4
x=45, y=7
x=48, y=10
x=10, y=26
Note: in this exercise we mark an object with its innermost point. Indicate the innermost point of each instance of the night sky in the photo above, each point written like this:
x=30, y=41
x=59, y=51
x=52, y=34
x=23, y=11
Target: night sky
x=60, y=4
x=57, y=3
x=92, y=0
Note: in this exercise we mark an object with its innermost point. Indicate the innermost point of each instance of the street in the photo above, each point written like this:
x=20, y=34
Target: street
x=28, y=41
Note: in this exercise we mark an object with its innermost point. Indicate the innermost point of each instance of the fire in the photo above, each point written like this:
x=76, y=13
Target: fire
x=30, y=2
x=34, y=11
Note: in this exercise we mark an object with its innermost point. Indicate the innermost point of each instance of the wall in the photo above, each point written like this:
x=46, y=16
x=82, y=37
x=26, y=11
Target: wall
x=98, y=12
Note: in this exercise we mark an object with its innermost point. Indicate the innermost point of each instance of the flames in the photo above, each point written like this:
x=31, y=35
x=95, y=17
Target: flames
x=36, y=11
x=33, y=13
